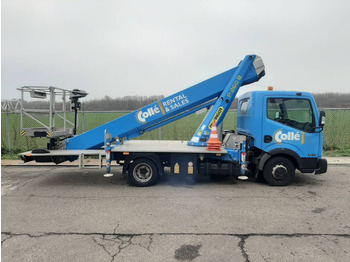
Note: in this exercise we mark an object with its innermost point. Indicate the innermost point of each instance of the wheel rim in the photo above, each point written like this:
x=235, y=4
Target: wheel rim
x=280, y=172
x=142, y=172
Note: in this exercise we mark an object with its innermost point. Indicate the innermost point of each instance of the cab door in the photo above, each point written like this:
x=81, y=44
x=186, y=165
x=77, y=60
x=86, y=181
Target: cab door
x=290, y=123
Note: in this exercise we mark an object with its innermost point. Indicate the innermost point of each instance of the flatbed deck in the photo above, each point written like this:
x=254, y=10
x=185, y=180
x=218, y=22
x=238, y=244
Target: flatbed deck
x=163, y=146
x=142, y=146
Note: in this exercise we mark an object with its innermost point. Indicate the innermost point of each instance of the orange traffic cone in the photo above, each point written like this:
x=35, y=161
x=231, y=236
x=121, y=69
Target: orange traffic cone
x=213, y=143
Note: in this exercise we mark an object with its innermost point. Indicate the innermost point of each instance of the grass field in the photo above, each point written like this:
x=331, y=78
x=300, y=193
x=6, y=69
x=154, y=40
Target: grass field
x=336, y=132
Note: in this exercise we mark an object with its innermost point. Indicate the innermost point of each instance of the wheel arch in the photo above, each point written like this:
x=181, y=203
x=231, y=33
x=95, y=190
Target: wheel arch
x=153, y=157
x=283, y=152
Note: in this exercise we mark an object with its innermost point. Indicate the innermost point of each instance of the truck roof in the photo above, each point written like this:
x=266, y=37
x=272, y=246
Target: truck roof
x=276, y=93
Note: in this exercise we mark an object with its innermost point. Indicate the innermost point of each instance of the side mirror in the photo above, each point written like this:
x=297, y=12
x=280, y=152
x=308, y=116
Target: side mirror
x=322, y=120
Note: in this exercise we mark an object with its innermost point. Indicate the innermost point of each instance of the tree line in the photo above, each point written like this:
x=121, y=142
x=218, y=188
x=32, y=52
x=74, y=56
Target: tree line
x=129, y=103
x=333, y=100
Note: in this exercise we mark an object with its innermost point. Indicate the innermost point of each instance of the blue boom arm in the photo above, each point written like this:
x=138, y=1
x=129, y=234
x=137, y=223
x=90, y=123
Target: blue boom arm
x=250, y=65
x=171, y=108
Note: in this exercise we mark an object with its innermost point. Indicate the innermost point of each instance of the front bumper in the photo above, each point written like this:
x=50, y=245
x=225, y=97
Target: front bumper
x=321, y=166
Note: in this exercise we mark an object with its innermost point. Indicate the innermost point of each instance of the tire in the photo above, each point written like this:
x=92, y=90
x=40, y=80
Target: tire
x=143, y=172
x=279, y=171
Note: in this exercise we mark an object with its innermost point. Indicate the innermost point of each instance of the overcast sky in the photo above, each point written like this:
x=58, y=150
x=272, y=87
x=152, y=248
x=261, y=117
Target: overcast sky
x=159, y=47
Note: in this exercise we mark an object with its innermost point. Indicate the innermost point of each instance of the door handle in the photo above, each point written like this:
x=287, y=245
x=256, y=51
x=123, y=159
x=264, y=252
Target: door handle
x=267, y=139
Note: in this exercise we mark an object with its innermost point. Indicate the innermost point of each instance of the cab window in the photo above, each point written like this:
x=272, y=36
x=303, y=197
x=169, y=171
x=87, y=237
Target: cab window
x=296, y=113
x=244, y=106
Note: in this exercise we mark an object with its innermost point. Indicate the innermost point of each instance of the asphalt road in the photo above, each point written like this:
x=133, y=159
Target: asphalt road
x=67, y=214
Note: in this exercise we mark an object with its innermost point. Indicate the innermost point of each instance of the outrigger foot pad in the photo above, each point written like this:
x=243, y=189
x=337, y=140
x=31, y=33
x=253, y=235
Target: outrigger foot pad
x=108, y=175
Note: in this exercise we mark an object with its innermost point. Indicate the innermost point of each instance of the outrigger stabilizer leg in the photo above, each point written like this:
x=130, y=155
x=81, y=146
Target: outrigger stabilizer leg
x=108, y=141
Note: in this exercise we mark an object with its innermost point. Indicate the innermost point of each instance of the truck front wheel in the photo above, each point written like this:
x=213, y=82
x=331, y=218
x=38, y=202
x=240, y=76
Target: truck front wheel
x=279, y=171
x=143, y=172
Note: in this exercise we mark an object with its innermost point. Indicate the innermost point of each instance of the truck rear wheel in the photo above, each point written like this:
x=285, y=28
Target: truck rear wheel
x=279, y=171
x=143, y=172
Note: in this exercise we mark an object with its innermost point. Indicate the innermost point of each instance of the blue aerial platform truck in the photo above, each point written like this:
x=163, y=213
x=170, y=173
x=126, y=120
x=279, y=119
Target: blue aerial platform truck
x=277, y=133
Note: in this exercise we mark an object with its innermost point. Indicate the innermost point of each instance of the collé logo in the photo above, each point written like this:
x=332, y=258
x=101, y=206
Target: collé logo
x=279, y=136
x=141, y=116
